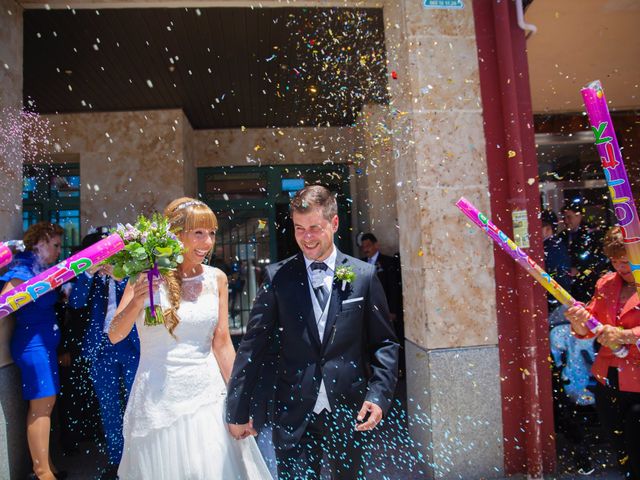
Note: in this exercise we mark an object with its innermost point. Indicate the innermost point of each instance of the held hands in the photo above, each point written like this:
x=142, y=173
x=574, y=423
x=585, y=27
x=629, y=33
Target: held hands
x=240, y=432
x=375, y=415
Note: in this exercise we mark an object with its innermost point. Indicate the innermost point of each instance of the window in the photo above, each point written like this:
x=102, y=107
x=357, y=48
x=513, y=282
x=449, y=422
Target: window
x=51, y=192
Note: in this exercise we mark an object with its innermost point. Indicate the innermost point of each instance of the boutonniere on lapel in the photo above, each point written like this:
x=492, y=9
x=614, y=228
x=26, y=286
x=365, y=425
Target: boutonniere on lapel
x=345, y=275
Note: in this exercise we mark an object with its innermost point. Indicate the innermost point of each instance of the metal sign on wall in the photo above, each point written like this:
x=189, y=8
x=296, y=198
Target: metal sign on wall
x=445, y=4
x=520, y=228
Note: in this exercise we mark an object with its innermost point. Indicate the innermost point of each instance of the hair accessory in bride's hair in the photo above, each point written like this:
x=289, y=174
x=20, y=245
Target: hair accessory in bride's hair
x=190, y=204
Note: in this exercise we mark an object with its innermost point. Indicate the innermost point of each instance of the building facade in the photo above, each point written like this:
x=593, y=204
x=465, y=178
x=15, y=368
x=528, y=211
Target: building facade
x=457, y=120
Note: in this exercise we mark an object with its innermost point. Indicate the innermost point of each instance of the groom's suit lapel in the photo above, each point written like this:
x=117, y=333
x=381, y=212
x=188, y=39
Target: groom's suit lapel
x=334, y=302
x=306, y=305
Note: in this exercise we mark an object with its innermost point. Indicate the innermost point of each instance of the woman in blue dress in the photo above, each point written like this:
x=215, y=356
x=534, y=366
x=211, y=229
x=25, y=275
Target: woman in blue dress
x=35, y=340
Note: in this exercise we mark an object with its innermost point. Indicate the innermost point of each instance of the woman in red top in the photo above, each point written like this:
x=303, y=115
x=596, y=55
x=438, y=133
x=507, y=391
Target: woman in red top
x=616, y=304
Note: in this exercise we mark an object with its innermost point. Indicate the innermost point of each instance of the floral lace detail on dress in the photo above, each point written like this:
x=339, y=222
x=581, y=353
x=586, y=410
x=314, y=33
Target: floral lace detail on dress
x=174, y=376
x=193, y=287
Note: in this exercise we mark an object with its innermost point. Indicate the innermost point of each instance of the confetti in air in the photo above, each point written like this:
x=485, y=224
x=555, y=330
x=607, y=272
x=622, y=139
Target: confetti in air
x=25, y=133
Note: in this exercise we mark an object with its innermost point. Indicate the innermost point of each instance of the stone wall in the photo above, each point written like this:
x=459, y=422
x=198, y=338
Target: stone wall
x=130, y=162
x=10, y=108
x=190, y=172
x=272, y=146
x=136, y=162
x=376, y=178
x=13, y=446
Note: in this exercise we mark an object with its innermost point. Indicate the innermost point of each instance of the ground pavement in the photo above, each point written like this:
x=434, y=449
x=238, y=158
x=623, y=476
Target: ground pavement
x=394, y=458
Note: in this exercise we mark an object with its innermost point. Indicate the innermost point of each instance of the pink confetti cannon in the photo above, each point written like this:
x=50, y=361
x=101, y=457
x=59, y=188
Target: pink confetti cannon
x=5, y=255
x=55, y=276
x=515, y=252
x=615, y=173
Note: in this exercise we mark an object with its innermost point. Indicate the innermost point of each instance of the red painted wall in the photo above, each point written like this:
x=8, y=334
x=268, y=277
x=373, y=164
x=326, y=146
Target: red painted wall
x=512, y=319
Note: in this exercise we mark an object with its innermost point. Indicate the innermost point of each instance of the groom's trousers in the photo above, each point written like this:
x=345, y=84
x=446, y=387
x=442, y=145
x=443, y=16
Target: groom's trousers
x=330, y=434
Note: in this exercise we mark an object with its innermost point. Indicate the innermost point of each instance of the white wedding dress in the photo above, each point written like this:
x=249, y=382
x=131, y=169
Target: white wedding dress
x=174, y=424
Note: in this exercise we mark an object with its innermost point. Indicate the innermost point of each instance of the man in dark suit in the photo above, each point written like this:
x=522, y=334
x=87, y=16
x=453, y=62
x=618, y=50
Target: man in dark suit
x=338, y=351
x=584, y=242
x=389, y=274
x=388, y=271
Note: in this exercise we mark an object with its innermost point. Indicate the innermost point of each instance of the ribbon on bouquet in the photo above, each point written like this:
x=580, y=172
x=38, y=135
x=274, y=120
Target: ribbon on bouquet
x=543, y=278
x=151, y=274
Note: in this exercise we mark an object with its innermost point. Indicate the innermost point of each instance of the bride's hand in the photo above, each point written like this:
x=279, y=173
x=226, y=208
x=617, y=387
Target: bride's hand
x=141, y=290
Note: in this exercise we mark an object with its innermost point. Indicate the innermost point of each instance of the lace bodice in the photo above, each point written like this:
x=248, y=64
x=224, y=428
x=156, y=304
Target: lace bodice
x=198, y=314
x=178, y=375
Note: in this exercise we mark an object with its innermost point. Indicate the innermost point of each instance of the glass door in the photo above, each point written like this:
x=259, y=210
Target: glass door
x=51, y=192
x=242, y=252
x=252, y=206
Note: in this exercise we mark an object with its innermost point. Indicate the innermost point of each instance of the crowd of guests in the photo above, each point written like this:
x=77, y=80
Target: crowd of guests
x=61, y=347
x=591, y=384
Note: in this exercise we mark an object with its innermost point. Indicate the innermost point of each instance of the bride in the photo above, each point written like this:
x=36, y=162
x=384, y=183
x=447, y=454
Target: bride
x=174, y=426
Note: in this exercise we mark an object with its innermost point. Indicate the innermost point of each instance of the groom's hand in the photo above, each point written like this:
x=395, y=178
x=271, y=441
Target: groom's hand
x=242, y=431
x=375, y=415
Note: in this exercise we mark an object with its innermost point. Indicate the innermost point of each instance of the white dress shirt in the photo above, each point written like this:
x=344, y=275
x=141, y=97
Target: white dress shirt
x=112, y=304
x=317, y=277
x=374, y=259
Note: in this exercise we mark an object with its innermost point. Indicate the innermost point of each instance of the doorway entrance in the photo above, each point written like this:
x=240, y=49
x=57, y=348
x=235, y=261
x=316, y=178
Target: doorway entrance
x=252, y=206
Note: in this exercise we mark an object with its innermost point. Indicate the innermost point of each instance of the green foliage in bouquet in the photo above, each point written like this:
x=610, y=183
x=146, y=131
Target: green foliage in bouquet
x=149, y=244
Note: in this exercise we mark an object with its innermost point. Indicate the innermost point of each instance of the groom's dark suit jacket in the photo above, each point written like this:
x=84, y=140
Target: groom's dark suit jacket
x=357, y=356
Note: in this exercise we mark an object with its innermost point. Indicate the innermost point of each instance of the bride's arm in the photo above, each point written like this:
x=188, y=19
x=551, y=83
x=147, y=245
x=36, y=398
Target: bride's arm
x=222, y=346
x=129, y=309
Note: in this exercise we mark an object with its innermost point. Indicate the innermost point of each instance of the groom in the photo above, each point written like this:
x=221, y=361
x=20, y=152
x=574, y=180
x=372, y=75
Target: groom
x=338, y=351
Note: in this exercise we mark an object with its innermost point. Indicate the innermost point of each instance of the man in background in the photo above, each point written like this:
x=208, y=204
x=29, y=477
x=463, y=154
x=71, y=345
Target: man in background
x=556, y=256
x=389, y=274
x=583, y=243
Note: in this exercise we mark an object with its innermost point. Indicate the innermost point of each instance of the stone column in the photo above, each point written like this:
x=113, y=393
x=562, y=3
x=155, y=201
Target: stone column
x=14, y=456
x=453, y=377
x=376, y=178
x=10, y=103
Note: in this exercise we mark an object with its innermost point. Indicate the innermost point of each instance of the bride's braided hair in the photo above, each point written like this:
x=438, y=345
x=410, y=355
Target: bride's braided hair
x=184, y=214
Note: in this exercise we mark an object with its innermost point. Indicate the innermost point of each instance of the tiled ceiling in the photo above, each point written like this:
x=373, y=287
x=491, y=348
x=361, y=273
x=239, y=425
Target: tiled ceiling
x=225, y=67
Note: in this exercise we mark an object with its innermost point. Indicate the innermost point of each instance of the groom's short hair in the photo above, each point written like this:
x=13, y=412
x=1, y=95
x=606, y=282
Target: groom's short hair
x=313, y=196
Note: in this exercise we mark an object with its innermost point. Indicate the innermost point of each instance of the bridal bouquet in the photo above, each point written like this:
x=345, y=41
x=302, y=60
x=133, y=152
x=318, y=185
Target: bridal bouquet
x=151, y=248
